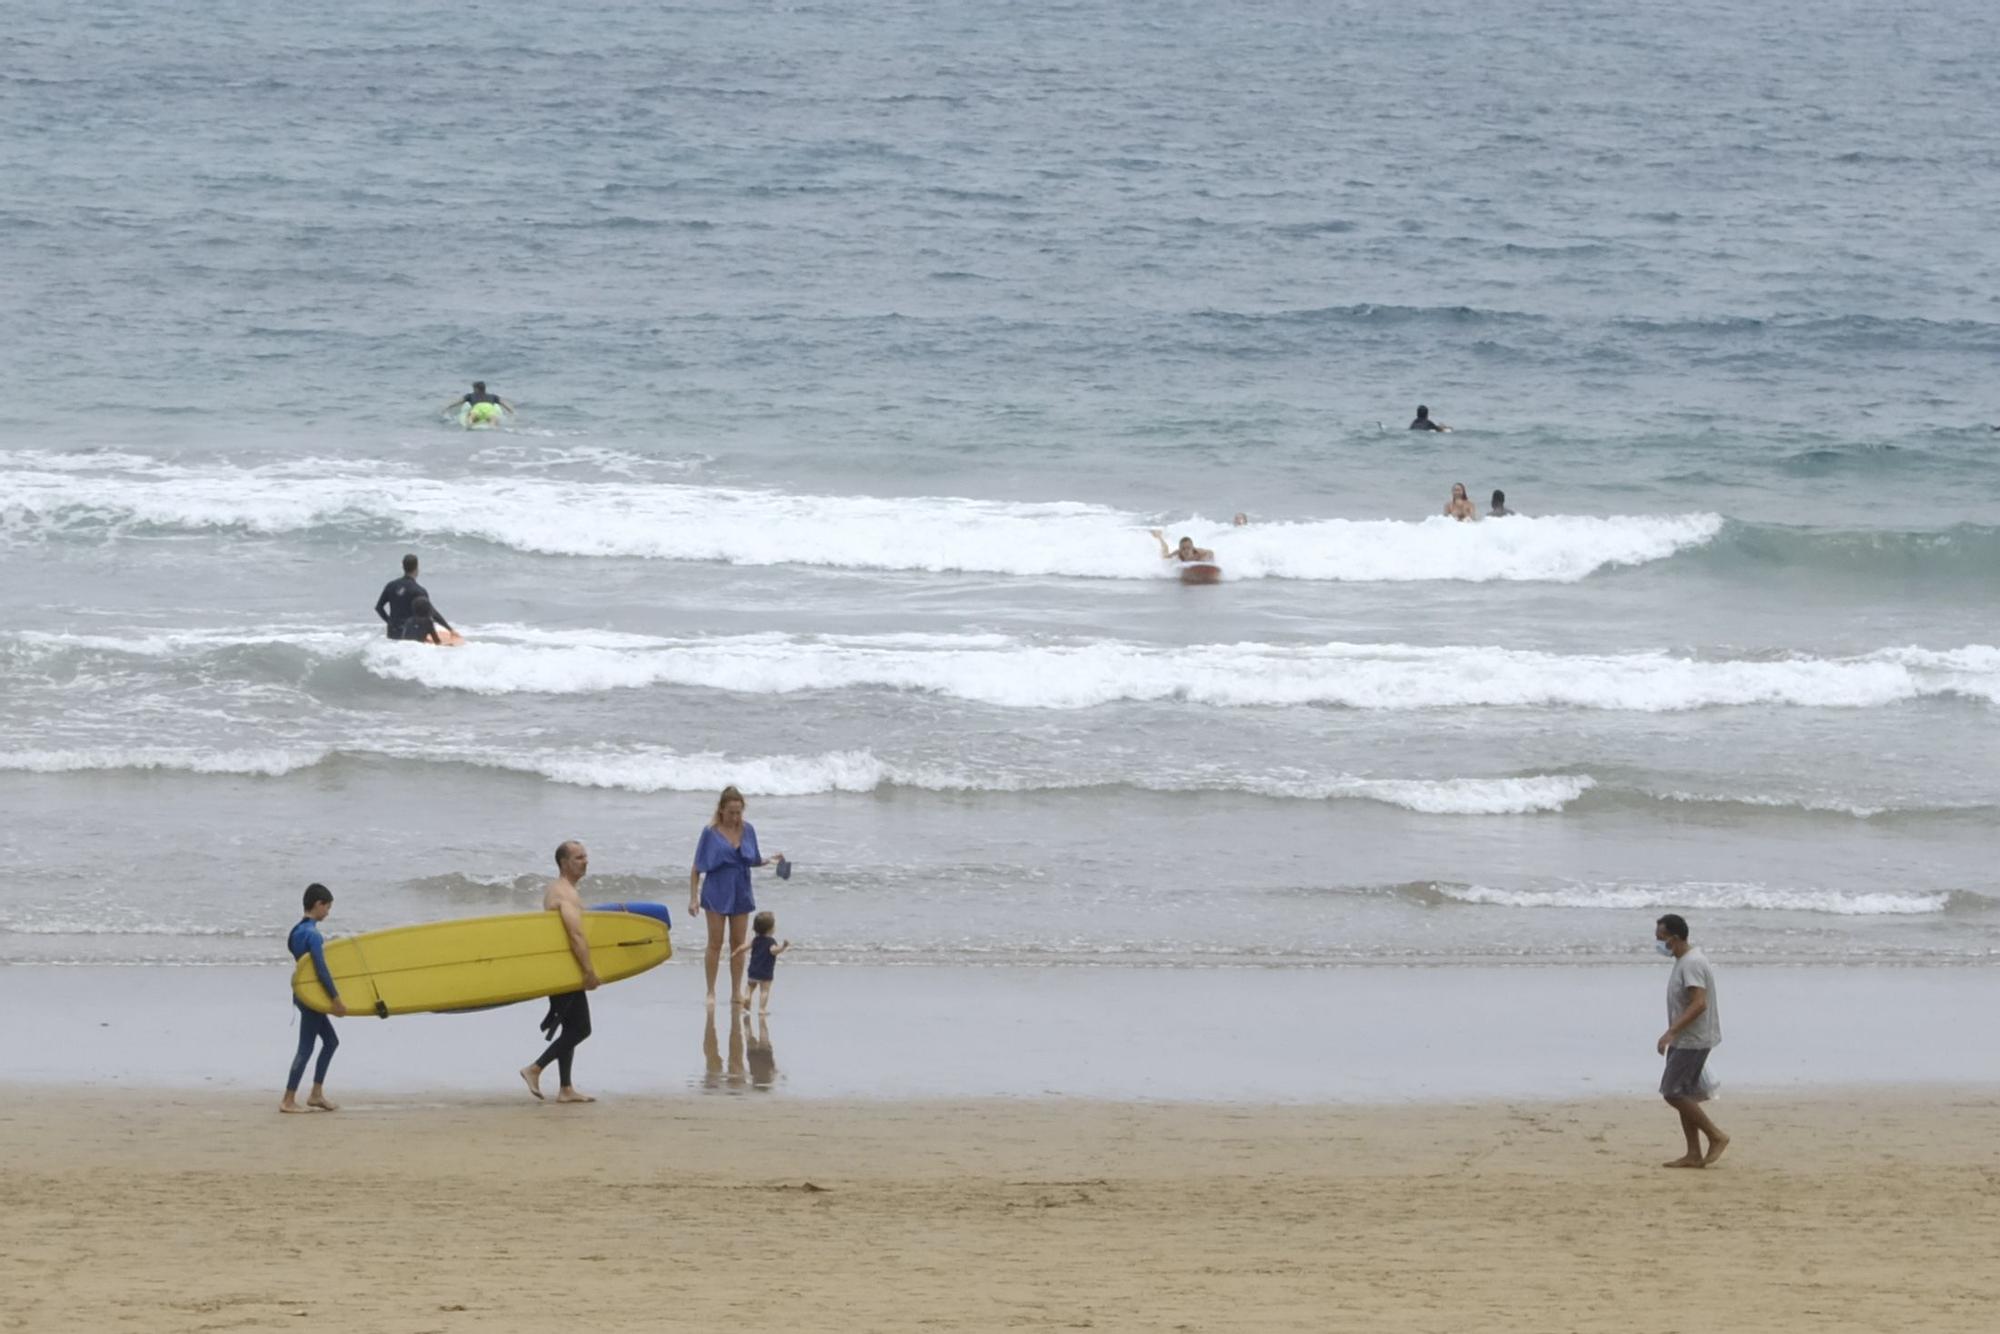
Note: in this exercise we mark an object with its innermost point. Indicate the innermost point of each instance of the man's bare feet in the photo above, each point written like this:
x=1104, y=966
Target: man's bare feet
x=1689, y=1161
x=571, y=1095
x=290, y=1107
x=533, y=1079
x=319, y=1100
x=1716, y=1145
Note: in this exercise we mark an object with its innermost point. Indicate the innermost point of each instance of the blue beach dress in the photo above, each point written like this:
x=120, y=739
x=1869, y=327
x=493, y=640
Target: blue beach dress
x=725, y=885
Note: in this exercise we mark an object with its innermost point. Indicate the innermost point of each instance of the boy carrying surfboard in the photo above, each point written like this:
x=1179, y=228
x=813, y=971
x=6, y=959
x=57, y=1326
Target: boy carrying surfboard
x=306, y=939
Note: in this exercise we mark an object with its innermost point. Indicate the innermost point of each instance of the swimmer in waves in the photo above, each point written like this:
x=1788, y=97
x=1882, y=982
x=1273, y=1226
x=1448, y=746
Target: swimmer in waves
x=1197, y=563
x=1460, y=505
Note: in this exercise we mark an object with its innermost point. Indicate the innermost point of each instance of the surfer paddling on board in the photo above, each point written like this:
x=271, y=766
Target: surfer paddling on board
x=1197, y=563
x=1424, y=422
x=479, y=408
x=572, y=1010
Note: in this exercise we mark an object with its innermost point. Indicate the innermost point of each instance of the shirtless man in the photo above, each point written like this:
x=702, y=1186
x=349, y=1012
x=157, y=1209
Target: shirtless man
x=571, y=1010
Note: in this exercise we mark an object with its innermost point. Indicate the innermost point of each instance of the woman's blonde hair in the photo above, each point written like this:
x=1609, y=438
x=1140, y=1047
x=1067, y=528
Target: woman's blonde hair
x=729, y=794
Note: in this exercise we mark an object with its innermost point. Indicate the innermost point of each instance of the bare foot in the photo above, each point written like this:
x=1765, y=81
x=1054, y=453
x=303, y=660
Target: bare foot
x=323, y=1104
x=741, y=1002
x=711, y=1000
x=1715, y=1149
x=1689, y=1161
x=571, y=1095
x=289, y=1107
x=533, y=1079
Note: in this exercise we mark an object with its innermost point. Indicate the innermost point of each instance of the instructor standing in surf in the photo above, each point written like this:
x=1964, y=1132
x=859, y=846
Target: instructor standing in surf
x=719, y=887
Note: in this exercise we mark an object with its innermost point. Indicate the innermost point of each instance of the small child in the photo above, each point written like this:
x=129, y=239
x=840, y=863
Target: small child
x=306, y=939
x=763, y=952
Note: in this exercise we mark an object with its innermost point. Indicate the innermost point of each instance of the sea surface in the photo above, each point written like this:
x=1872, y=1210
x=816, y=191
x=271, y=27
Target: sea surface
x=856, y=349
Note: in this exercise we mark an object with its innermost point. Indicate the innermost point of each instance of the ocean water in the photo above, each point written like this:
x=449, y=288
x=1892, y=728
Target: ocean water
x=856, y=350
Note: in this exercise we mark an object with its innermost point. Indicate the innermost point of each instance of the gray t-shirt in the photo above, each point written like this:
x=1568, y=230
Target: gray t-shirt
x=1691, y=970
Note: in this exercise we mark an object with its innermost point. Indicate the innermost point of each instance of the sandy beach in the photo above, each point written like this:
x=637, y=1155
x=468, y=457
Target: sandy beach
x=168, y=1212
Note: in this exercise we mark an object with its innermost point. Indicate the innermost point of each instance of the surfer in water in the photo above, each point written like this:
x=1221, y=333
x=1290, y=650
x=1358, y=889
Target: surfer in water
x=572, y=1009
x=1424, y=422
x=479, y=408
x=1460, y=505
x=399, y=599
x=1197, y=563
x=423, y=625
x=1499, y=510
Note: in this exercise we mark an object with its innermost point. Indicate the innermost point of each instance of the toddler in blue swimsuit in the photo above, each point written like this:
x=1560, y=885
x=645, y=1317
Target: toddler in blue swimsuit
x=763, y=952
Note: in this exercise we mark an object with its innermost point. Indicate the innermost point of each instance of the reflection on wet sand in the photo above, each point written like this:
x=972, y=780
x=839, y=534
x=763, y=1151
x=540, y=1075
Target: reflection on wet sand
x=751, y=1062
x=763, y=1062
x=715, y=1076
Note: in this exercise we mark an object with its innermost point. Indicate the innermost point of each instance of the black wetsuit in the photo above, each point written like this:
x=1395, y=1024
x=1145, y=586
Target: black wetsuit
x=398, y=595
x=418, y=626
x=1425, y=424
x=572, y=1013
x=471, y=400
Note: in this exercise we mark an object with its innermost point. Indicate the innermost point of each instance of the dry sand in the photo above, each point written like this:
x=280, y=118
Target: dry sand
x=163, y=1212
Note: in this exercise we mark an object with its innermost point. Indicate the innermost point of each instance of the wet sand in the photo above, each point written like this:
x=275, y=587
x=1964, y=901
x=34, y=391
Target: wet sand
x=166, y=1212
x=1248, y=1035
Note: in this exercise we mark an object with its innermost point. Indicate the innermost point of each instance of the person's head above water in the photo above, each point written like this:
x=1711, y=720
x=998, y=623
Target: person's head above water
x=1499, y=499
x=410, y=563
x=1458, y=491
x=1187, y=545
x=1423, y=412
x=1240, y=519
x=422, y=607
x=479, y=386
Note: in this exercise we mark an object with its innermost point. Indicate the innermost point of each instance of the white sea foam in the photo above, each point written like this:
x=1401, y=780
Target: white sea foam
x=1019, y=673
x=860, y=771
x=673, y=521
x=667, y=771
x=1706, y=896
x=265, y=763
x=1775, y=803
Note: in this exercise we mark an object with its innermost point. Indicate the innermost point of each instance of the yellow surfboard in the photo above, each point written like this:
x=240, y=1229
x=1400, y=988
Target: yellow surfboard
x=477, y=961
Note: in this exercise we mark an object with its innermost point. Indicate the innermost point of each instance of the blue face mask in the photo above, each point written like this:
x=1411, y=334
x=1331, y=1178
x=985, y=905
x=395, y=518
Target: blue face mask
x=1664, y=948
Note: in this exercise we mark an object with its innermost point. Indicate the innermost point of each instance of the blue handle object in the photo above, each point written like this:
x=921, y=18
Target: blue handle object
x=657, y=911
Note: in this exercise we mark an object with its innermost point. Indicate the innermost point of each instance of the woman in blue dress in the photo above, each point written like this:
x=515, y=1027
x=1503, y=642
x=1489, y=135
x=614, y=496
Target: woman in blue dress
x=719, y=887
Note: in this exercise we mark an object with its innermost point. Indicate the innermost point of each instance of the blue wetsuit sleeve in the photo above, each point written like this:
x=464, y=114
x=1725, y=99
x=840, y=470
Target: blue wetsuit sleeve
x=318, y=947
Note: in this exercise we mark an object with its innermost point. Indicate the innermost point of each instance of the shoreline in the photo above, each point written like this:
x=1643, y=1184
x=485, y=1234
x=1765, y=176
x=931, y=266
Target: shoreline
x=1362, y=1036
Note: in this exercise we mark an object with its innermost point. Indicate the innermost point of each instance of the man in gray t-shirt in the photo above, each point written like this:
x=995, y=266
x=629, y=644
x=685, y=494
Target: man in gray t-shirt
x=1694, y=1025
